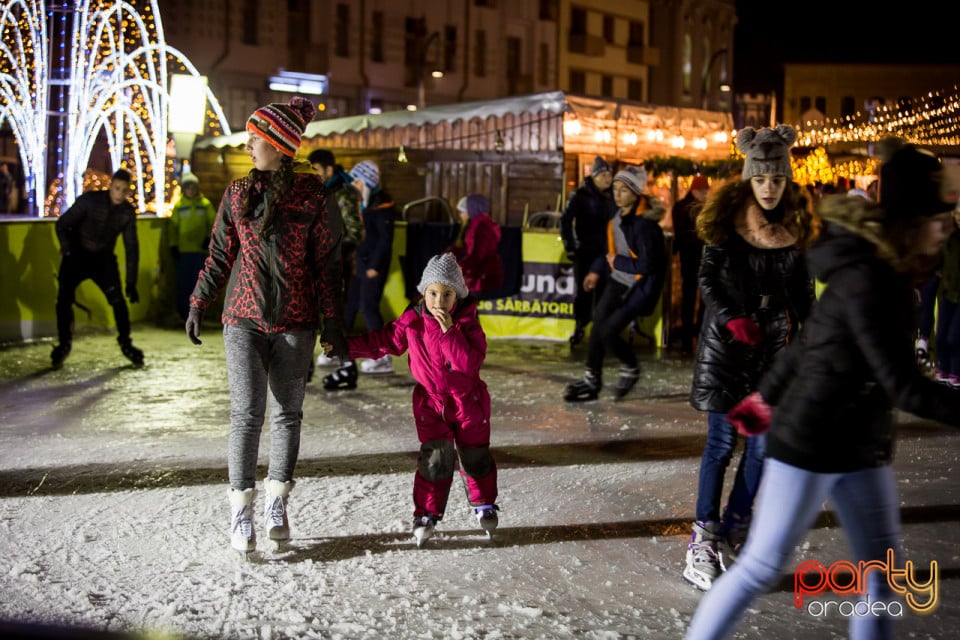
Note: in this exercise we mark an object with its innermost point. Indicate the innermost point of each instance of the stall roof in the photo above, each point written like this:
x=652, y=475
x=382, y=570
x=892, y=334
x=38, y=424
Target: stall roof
x=555, y=102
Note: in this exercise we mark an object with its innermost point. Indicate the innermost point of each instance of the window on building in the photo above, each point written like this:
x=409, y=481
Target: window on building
x=251, y=20
x=687, y=70
x=549, y=9
x=414, y=38
x=635, y=42
x=609, y=29
x=635, y=89
x=606, y=86
x=848, y=107
x=821, y=104
x=298, y=32
x=514, y=66
x=578, y=81
x=707, y=80
x=578, y=21
x=450, y=48
x=805, y=103
x=485, y=3
x=480, y=54
x=636, y=38
x=342, y=29
x=376, y=36
x=543, y=64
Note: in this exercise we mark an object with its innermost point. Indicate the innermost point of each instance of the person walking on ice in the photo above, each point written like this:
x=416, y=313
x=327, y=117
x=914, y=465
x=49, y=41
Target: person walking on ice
x=276, y=247
x=451, y=405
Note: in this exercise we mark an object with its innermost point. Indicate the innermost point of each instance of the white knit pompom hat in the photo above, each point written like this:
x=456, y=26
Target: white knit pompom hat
x=443, y=269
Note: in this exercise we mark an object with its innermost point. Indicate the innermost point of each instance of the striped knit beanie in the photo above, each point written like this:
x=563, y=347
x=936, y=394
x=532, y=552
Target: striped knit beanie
x=634, y=178
x=282, y=124
x=368, y=171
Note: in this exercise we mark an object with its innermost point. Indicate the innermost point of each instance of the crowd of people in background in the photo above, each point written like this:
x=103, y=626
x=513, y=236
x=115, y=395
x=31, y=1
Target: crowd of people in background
x=751, y=249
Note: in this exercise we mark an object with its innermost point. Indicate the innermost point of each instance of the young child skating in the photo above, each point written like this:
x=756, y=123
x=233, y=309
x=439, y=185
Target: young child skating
x=451, y=405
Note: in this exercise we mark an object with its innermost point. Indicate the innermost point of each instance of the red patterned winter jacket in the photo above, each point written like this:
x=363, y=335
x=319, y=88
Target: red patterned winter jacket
x=288, y=280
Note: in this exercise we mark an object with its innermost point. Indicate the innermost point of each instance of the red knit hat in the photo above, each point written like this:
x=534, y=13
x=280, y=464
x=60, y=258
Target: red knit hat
x=699, y=182
x=282, y=124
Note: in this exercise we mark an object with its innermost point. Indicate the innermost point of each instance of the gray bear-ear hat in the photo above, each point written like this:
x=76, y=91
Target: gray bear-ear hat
x=767, y=151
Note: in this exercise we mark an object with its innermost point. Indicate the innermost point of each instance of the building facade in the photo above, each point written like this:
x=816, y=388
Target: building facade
x=376, y=55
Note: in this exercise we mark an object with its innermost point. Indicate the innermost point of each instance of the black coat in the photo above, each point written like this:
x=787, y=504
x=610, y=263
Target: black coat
x=835, y=388
x=583, y=224
x=738, y=279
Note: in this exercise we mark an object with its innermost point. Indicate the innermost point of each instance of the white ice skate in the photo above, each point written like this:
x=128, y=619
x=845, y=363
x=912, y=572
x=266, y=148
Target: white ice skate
x=423, y=527
x=487, y=518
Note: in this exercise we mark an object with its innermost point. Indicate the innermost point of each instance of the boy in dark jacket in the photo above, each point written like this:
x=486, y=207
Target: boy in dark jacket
x=635, y=268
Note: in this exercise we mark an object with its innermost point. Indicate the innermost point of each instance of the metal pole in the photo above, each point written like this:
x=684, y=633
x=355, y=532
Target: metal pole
x=706, y=76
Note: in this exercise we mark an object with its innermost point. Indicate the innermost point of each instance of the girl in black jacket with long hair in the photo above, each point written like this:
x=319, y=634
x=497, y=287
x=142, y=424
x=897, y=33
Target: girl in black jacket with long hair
x=834, y=390
x=756, y=290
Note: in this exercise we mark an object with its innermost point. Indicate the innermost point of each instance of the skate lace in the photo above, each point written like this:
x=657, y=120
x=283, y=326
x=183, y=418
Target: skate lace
x=703, y=553
x=243, y=523
x=276, y=512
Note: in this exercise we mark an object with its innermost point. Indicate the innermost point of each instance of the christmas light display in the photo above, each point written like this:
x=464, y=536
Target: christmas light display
x=107, y=74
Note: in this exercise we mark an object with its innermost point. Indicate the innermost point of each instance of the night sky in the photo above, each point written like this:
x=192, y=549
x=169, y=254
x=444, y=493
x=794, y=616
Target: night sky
x=771, y=33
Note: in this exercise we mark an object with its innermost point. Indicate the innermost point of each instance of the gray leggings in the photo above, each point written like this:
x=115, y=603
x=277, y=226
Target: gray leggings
x=257, y=363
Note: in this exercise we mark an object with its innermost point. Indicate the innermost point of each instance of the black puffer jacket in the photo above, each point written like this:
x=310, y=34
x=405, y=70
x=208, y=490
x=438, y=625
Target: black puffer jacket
x=835, y=388
x=757, y=272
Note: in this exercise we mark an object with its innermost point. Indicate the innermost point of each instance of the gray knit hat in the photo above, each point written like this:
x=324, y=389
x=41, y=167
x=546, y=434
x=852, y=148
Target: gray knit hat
x=599, y=166
x=635, y=178
x=443, y=269
x=767, y=151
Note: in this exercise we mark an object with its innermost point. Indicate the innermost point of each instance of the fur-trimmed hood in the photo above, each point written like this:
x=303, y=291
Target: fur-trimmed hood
x=650, y=208
x=853, y=231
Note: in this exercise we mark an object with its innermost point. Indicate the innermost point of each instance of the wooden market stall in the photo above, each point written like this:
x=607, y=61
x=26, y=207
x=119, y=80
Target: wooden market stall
x=524, y=153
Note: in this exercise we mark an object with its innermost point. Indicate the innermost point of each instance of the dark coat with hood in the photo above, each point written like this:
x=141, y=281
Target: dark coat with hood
x=376, y=249
x=583, y=224
x=751, y=268
x=857, y=355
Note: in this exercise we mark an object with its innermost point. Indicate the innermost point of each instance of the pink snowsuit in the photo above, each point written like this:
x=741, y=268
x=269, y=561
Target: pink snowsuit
x=451, y=404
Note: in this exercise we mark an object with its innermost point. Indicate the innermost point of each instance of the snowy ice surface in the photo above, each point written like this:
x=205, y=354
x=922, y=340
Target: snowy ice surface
x=113, y=512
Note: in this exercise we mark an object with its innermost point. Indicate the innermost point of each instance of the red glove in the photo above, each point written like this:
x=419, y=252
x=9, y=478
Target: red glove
x=751, y=416
x=745, y=330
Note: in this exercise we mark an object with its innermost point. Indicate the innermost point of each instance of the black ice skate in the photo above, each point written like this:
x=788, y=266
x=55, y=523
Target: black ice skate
x=132, y=354
x=59, y=354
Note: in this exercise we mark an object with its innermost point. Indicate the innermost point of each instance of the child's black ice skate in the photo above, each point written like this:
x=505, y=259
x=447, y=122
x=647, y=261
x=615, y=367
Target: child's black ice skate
x=343, y=378
x=583, y=390
x=628, y=378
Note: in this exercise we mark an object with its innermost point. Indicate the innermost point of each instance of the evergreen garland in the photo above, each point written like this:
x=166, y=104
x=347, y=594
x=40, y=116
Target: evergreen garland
x=687, y=167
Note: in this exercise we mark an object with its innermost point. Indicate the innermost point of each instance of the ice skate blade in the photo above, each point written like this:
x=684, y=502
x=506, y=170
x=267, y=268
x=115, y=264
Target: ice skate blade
x=422, y=534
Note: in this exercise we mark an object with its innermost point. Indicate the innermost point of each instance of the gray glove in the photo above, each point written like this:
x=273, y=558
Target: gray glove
x=332, y=334
x=194, y=320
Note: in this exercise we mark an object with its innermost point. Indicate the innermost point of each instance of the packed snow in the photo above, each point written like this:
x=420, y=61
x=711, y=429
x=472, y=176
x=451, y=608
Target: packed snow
x=113, y=511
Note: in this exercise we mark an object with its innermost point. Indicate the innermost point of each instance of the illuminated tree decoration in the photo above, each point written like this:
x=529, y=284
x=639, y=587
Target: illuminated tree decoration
x=110, y=77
